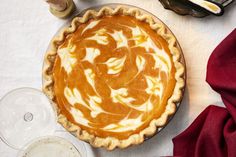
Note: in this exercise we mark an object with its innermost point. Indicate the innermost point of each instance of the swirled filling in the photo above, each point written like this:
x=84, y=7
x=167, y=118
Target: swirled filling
x=112, y=76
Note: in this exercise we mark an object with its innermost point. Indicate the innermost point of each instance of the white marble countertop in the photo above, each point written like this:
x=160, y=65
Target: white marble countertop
x=27, y=27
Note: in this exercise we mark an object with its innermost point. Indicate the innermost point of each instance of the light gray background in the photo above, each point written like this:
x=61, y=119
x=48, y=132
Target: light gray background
x=26, y=27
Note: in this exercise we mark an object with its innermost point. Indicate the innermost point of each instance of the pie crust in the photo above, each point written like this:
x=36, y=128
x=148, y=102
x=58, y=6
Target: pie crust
x=111, y=142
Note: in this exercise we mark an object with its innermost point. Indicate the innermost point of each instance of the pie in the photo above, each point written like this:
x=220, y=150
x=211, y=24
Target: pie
x=115, y=76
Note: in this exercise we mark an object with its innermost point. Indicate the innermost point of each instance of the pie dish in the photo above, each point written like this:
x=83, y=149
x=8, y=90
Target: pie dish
x=114, y=76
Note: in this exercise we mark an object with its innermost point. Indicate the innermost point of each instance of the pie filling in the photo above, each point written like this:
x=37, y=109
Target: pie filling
x=113, y=76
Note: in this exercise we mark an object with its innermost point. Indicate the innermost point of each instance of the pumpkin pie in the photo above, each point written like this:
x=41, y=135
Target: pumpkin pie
x=114, y=75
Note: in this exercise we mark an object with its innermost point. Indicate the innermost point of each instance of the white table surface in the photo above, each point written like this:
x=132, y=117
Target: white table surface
x=26, y=27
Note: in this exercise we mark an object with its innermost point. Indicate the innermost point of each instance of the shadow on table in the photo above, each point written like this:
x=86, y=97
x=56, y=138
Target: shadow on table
x=160, y=144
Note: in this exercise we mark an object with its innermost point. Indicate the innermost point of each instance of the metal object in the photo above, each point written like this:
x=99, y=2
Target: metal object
x=70, y=8
x=185, y=7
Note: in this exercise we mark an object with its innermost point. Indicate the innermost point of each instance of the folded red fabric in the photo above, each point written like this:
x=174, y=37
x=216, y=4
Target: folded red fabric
x=213, y=132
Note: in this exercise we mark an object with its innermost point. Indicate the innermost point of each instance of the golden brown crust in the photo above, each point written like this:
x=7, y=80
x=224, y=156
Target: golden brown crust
x=110, y=142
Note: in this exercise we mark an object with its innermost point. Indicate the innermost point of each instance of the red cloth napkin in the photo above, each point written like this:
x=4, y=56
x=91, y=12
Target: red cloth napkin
x=213, y=133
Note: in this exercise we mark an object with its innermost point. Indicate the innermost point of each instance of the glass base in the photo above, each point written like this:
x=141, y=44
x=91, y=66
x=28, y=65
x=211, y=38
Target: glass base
x=26, y=114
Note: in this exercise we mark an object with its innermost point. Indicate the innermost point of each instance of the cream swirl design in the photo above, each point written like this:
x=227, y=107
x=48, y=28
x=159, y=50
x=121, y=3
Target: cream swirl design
x=113, y=75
